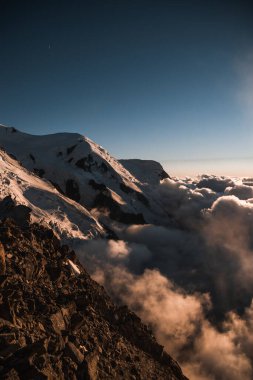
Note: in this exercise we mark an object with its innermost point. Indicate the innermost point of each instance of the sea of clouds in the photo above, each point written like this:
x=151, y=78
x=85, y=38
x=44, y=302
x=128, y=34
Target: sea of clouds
x=190, y=278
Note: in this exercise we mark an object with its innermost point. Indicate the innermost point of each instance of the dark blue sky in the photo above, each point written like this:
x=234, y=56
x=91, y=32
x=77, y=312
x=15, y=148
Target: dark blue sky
x=166, y=80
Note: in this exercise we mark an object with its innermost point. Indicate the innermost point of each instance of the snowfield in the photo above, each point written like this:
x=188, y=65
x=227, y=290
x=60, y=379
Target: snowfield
x=66, y=217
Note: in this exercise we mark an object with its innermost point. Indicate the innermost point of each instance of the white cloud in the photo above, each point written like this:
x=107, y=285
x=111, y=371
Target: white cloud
x=191, y=280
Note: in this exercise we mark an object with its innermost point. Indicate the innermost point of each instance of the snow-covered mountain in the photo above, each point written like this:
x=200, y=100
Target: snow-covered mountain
x=148, y=172
x=63, y=317
x=48, y=206
x=85, y=172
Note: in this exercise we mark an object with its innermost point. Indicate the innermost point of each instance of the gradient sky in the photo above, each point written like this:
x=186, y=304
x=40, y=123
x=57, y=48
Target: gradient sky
x=164, y=80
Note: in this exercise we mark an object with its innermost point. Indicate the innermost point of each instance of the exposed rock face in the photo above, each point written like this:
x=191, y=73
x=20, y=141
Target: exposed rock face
x=39, y=172
x=57, y=323
x=2, y=260
x=72, y=190
x=19, y=213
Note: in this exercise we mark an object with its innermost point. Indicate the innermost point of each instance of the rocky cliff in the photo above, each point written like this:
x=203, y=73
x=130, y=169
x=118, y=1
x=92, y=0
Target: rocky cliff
x=57, y=323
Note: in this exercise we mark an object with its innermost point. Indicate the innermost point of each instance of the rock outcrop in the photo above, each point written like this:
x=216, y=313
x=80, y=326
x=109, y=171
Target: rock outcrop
x=57, y=323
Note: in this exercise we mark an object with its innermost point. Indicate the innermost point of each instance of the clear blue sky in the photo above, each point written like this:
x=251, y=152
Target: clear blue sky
x=165, y=80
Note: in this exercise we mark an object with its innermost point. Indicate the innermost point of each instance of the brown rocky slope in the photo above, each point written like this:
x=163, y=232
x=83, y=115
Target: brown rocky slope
x=57, y=323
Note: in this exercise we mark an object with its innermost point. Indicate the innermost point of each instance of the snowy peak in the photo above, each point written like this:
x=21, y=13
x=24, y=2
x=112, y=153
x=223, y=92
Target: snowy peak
x=86, y=173
x=71, y=148
x=148, y=172
x=71, y=155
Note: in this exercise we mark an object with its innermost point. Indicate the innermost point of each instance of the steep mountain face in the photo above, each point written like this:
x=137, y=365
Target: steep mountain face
x=57, y=323
x=47, y=205
x=88, y=174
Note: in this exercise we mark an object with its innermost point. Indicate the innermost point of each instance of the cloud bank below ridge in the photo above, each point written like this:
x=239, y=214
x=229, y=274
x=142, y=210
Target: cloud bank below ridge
x=190, y=280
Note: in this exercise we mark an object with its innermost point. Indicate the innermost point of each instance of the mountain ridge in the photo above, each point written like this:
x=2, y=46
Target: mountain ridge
x=60, y=324
x=77, y=166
